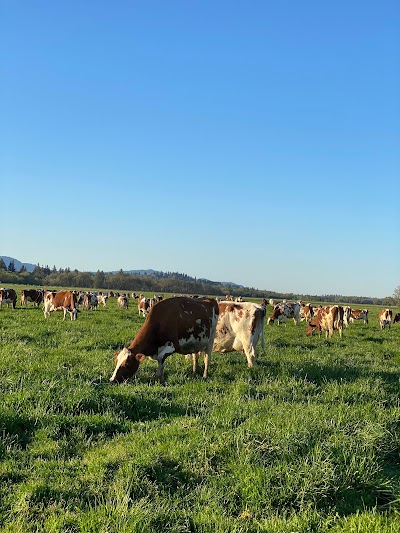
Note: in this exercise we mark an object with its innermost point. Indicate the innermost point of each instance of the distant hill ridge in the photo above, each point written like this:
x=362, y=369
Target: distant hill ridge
x=30, y=267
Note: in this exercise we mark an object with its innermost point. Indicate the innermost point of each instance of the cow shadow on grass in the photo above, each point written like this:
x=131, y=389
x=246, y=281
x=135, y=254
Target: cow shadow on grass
x=15, y=431
x=321, y=375
x=138, y=408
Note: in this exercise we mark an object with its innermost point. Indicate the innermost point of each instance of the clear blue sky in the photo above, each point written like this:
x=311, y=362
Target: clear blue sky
x=256, y=142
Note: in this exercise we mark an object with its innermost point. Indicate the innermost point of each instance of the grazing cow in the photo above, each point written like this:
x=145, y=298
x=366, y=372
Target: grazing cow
x=283, y=310
x=90, y=301
x=178, y=324
x=359, y=314
x=239, y=328
x=65, y=300
x=8, y=296
x=102, y=299
x=385, y=318
x=306, y=312
x=32, y=295
x=327, y=319
x=143, y=305
x=123, y=301
x=396, y=318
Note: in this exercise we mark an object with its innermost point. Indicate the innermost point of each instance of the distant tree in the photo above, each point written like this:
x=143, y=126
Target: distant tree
x=11, y=266
x=396, y=294
x=3, y=266
x=22, y=269
x=99, y=279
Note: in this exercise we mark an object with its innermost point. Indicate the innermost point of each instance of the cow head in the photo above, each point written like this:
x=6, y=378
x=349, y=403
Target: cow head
x=127, y=364
x=310, y=328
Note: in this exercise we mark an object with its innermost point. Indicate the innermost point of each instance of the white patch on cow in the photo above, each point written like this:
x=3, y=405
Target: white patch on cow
x=122, y=357
x=198, y=321
x=168, y=348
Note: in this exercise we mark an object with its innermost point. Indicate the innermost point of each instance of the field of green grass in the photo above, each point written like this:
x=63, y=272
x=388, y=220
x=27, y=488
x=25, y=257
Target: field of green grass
x=306, y=441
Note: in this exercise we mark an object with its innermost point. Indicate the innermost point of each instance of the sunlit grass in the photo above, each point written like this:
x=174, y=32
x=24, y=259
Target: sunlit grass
x=307, y=440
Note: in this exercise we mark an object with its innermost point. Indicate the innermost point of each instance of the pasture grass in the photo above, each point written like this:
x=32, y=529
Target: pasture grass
x=306, y=441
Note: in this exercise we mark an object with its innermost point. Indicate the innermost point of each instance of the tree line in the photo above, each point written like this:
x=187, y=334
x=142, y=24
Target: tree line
x=163, y=282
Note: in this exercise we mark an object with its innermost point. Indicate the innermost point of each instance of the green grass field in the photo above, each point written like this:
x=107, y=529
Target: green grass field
x=306, y=441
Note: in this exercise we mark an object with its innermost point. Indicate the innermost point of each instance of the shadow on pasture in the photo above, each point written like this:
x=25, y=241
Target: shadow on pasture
x=376, y=340
x=26, y=338
x=280, y=343
x=316, y=373
x=169, y=475
x=15, y=431
x=142, y=409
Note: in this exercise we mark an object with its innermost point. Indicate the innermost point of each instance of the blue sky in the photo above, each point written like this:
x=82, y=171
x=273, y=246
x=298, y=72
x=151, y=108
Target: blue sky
x=256, y=142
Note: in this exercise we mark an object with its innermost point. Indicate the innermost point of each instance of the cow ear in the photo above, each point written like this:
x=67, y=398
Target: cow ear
x=140, y=357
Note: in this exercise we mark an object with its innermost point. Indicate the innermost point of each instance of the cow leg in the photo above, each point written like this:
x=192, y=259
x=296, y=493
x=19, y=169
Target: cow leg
x=195, y=358
x=207, y=359
x=160, y=372
x=262, y=340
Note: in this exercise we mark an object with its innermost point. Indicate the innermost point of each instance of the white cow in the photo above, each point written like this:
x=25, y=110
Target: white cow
x=239, y=328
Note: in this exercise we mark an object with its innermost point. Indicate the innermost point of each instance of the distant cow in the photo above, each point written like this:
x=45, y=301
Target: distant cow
x=346, y=316
x=32, y=295
x=178, y=324
x=65, y=300
x=327, y=319
x=143, y=305
x=396, y=318
x=123, y=301
x=284, y=310
x=8, y=296
x=157, y=299
x=90, y=301
x=239, y=328
x=306, y=312
x=359, y=314
x=385, y=318
x=102, y=299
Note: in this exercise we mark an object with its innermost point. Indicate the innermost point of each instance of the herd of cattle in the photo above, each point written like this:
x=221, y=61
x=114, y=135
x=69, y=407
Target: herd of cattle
x=194, y=325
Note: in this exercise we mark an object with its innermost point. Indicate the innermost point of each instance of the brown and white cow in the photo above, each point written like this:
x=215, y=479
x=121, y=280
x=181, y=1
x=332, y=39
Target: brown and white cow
x=239, y=328
x=306, y=312
x=327, y=319
x=284, y=310
x=32, y=295
x=122, y=301
x=156, y=299
x=8, y=296
x=102, y=299
x=359, y=314
x=143, y=305
x=178, y=324
x=65, y=300
x=385, y=318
